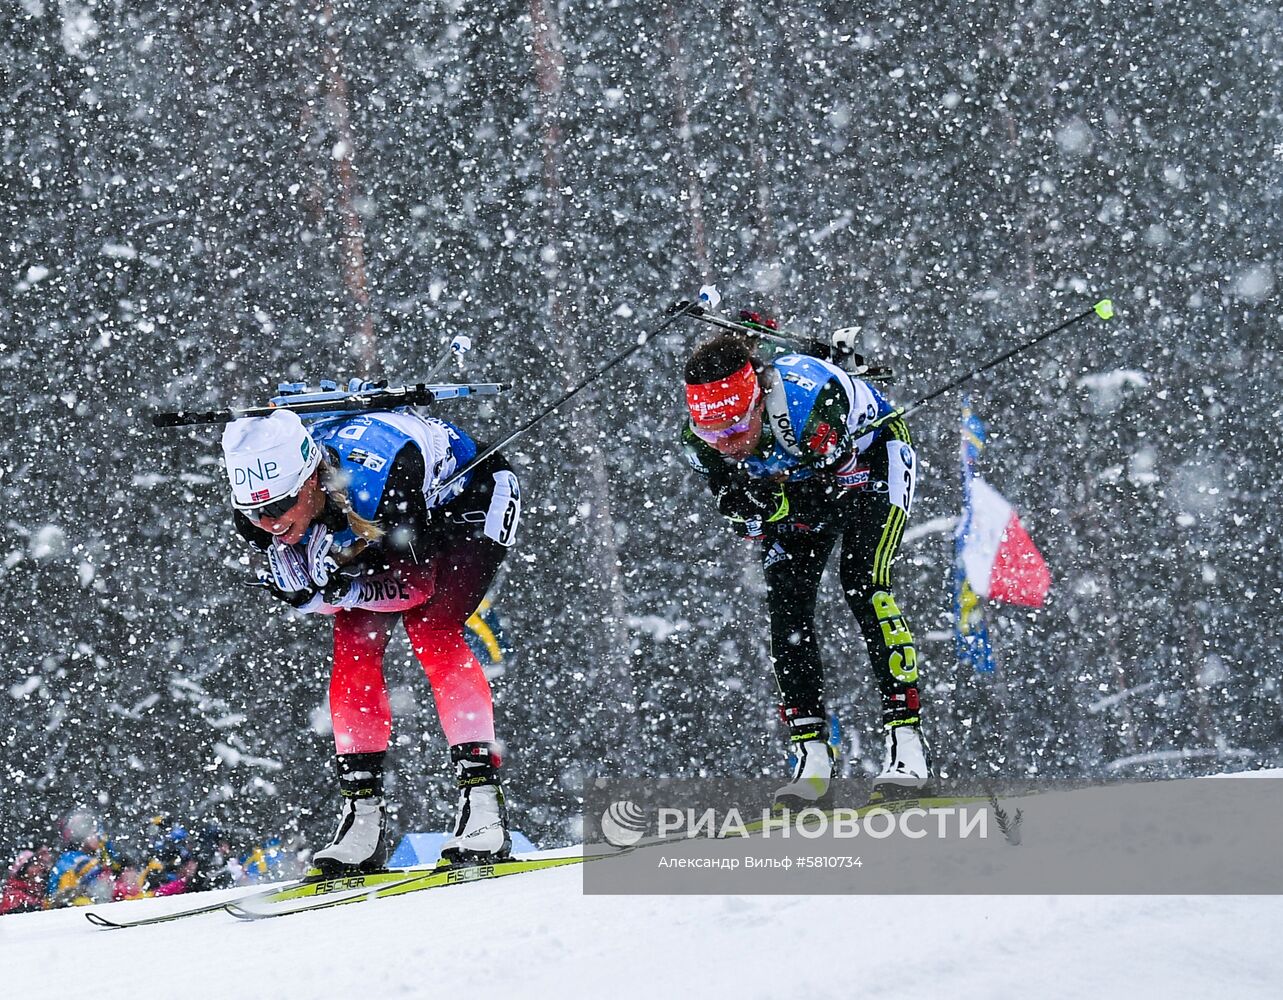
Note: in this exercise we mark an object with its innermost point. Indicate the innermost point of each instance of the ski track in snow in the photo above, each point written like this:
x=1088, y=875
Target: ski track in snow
x=538, y=936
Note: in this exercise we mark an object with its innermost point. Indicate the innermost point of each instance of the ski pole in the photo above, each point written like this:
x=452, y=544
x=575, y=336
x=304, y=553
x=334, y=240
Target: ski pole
x=459, y=346
x=642, y=338
x=1104, y=309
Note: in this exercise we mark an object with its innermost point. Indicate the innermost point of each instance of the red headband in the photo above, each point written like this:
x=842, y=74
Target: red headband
x=724, y=399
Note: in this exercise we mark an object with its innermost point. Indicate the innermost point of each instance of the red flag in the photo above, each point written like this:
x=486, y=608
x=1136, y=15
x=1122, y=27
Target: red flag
x=1000, y=558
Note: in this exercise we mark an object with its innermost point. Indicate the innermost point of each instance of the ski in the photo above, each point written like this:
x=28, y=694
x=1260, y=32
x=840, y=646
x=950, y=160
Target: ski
x=338, y=891
x=289, y=890
x=318, y=894
x=98, y=920
x=330, y=400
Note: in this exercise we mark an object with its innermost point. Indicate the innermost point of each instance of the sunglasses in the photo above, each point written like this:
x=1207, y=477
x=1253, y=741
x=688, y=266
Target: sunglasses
x=273, y=509
x=712, y=437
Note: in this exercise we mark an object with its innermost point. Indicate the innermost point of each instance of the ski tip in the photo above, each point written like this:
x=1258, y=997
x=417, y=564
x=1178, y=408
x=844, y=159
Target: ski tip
x=1104, y=308
x=98, y=921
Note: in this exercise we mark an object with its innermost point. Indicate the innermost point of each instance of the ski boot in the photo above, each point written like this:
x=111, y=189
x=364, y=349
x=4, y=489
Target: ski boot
x=813, y=760
x=906, y=768
x=359, y=844
x=481, y=830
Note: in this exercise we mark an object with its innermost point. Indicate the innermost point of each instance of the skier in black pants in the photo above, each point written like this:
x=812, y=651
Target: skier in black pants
x=787, y=454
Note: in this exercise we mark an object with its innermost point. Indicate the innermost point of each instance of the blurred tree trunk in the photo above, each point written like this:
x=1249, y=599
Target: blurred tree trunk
x=1122, y=681
x=768, y=258
x=1017, y=178
x=686, y=143
x=358, y=323
x=608, y=674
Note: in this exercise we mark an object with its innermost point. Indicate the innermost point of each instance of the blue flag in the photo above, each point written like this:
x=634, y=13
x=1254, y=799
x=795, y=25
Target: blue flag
x=970, y=631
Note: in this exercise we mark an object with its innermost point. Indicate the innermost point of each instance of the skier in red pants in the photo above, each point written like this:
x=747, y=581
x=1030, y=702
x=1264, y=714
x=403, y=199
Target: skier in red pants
x=353, y=524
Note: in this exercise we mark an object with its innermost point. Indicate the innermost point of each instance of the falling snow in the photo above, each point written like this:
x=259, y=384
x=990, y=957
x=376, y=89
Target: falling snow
x=202, y=200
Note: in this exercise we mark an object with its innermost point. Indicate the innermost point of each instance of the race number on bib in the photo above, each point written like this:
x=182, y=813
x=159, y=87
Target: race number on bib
x=902, y=474
x=504, y=512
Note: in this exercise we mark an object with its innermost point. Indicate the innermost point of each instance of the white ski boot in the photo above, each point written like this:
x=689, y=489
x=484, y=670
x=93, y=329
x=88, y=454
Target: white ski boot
x=813, y=762
x=906, y=768
x=481, y=829
x=359, y=844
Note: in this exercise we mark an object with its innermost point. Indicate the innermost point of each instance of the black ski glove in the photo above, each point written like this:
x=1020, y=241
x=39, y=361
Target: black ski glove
x=749, y=499
x=305, y=600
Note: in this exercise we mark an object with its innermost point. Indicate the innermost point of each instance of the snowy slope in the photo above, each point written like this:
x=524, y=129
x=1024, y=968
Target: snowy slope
x=537, y=935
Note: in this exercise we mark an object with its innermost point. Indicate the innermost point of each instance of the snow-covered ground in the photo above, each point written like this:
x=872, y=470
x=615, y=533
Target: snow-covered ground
x=537, y=935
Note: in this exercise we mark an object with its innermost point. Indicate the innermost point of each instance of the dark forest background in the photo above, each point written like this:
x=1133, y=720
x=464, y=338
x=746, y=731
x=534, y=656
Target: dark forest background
x=200, y=200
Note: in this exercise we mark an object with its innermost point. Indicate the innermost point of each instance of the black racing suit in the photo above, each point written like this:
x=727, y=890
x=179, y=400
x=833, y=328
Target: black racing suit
x=849, y=496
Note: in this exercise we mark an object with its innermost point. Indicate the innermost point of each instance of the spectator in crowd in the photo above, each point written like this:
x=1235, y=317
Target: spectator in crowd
x=263, y=862
x=216, y=865
x=26, y=887
x=83, y=872
x=130, y=880
x=90, y=868
x=175, y=865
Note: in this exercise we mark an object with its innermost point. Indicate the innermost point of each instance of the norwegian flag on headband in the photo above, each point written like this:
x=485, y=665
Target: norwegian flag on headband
x=259, y=496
